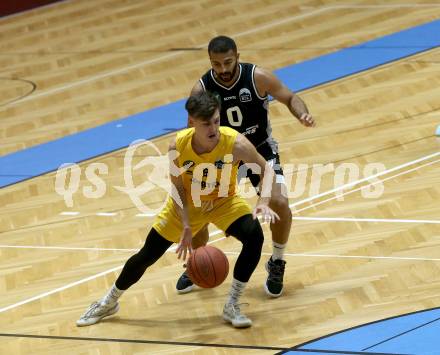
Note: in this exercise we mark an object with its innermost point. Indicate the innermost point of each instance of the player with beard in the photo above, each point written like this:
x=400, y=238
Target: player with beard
x=243, y=89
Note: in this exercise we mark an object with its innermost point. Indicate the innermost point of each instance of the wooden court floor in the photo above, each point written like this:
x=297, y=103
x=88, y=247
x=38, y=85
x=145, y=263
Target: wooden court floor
x=350, y=259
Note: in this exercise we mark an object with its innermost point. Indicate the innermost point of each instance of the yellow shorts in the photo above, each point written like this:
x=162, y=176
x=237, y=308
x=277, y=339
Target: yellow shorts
x=222, y=212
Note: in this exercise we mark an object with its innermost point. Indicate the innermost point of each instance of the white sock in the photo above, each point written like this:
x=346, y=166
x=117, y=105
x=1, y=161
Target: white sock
x=278, y=251
x=112, y=296
x=236, y=291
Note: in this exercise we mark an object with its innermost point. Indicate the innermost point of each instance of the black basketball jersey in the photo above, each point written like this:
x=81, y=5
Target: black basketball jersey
x=242, y=108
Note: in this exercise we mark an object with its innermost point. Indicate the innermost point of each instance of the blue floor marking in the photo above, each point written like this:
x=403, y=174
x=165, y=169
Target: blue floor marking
x=413, y=333
x=424, y=340
x=90, y=143
x=330, y=67
x=47, y=157
x=329, y=352
x=361, y=338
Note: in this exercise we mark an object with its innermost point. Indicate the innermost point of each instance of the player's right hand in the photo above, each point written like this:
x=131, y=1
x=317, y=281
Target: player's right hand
x=185, y=245
x=267, y=214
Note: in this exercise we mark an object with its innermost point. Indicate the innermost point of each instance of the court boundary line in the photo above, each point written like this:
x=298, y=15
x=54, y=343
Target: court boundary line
x=141, y=341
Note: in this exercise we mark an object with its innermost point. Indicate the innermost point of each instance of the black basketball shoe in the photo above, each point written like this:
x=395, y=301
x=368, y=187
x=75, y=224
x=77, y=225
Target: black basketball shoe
x=184, y=284
x=274, y=282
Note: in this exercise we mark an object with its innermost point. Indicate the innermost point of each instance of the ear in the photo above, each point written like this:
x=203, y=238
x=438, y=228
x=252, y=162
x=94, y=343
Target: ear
x=190, y=121
x=238, y=56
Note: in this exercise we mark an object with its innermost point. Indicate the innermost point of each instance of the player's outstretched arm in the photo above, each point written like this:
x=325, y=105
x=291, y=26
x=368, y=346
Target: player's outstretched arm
x=245, y=151
x=180, y=202
x=268, y=83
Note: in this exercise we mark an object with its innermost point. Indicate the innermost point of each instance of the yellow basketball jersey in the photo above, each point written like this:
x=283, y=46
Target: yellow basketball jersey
x=210, y=175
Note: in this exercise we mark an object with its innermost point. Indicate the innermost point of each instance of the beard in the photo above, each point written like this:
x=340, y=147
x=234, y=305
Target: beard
x=228, y=76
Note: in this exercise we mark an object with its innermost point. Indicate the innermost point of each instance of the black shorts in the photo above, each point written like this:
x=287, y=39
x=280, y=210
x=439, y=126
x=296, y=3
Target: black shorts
x=272, y=157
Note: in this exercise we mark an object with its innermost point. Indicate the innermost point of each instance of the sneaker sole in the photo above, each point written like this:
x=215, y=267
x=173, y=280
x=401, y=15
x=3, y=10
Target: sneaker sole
x=229, y=320
x=96, y=320
x=185, y=290
x=273, y=295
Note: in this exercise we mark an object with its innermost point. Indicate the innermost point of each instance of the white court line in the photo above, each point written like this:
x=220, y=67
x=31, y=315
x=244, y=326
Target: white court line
x=69, y=213
x=379, y=220
x=41, y=295
x=345, y=256
x=171, y=55
x=354, y=183
x=324, y=219
x=217, y=232
x=343, y=187
x=76, y=283
x=173, y=248
x=146, y=214
x=371, y=184
x=362, y=257
x=64, y=248
x=106, y=214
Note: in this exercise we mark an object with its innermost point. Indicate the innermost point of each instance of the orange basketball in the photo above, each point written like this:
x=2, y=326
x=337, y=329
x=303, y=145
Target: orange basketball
x=207, y=267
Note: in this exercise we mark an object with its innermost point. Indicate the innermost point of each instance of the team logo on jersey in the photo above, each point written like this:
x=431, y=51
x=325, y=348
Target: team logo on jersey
x=245, y=95
x=219, y=164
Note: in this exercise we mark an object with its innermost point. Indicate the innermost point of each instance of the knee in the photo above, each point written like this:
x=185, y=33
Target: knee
x=280, y=204
x=248, y=231
x=256, y=236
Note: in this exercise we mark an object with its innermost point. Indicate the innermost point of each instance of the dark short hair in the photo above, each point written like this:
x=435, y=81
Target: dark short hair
x=221, y=44
x=202, y=105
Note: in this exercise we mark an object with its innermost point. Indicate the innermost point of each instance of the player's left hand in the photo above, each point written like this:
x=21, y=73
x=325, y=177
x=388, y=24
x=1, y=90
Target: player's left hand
x=307, y=120
x=185, y=244
x=267, y=214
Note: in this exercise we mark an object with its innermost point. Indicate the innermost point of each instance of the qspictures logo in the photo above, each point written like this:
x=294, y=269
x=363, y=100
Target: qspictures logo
x=155, y=168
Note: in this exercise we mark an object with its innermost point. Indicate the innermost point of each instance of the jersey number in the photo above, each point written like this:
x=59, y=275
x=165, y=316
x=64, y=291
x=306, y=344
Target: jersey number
x=235, y=116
